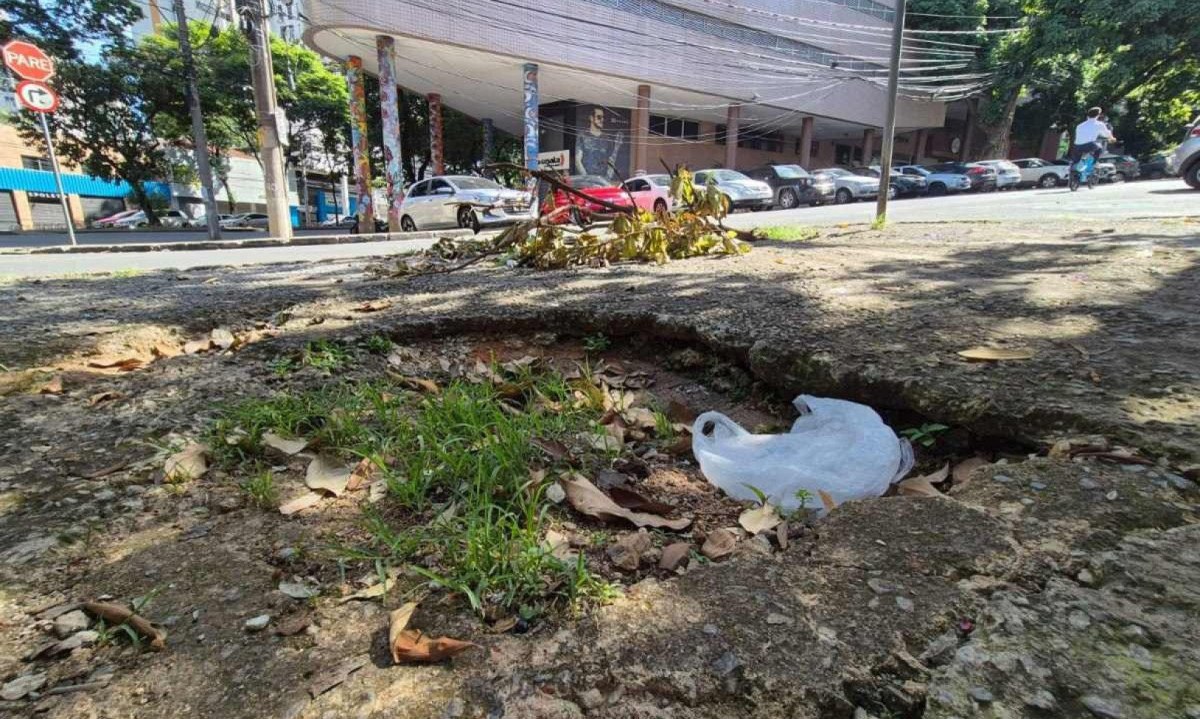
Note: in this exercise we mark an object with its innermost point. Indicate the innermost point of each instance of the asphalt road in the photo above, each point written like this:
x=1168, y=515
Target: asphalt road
x=1132, y=200
x=96, y=262
x=116, y=237
x=1151, y=199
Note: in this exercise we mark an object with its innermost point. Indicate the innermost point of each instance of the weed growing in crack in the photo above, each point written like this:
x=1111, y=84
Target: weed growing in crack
x=378, y=344
x=325, y=355
x=926, y=435
x=261, y=490
x=464, y=508
x=596, y=343
x=788, y=233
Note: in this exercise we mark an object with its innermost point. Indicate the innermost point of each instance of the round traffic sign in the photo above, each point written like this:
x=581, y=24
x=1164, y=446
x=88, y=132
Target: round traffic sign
x=27, y=61
x=36, y=96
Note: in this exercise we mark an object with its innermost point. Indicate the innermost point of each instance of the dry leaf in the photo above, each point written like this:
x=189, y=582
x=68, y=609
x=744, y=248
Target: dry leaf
x=187, y=464
x=585, y=498
x=363, y=474
x=679, y=412
x=374, y=591
x=197, y=346
x=557, y=544
x=283, y=444
x=917, y=487
x=421, y=384
x=293, y=624
x=116, y=615
x=163, y=349
x=503, y=626
x=304, y=501
x=641, y=417
x=552, y=448
x=124, y=364
x=335, y=675
x=962, y=470
x=827, y=500
x=939, y=476
x=411, y=646
x=995, y=354
x=781, y=535
x=327, y=474
x=760, y=519
x=222, y=338
x=718, y=543
x=105, y=396
x=54, y=386
x=373, y=306
x=601, y=442
x=674, y=555
x=630, y=499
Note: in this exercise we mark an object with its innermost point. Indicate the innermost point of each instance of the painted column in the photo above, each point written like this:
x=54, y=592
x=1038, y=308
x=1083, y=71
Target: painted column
x=489, y=142
x=437, y=150
x=530, y=84
x=358, y=144
x=868, y=145
x=389, y=109
x=641, y=130
x=806, y=133
x=733, y=117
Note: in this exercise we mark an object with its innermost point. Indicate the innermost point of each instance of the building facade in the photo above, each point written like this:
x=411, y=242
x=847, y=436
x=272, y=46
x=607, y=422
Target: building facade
x=614, y=87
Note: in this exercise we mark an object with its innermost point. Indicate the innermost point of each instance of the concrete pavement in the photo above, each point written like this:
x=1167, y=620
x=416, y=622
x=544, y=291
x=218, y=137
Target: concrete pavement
x=125, y=237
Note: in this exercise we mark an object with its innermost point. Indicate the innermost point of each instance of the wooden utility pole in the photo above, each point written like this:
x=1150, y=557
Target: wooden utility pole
x=262, y=76
x=889, y=124
x=199, y=136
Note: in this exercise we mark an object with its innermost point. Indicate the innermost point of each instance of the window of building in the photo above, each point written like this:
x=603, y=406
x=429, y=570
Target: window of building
x=765, y=141
x=841, y=154
x=29, y=162
x=674, y=127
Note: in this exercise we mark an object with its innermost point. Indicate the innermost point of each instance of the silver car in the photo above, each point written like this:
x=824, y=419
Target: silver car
x=1007, y=173
x=462, y=201
x=740, y=191
x=1185, y=161
x=850, y=187
x=939, y=183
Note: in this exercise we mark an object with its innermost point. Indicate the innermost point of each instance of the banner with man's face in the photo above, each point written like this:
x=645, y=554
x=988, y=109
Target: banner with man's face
x=602, y=141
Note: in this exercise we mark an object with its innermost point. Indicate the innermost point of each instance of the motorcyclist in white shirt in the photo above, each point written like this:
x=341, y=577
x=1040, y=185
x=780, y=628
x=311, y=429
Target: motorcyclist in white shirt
x=1087, y=134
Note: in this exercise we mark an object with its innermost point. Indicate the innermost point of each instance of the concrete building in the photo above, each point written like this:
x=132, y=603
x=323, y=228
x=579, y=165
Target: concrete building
x=640, y=83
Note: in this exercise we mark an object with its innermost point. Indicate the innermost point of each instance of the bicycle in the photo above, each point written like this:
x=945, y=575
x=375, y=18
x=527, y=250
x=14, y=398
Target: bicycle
x=1083, y=172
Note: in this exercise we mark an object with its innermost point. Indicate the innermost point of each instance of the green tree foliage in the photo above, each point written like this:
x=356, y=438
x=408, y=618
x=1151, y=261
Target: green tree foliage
x=1136, y=58
x=63, y=28
x=311, y=93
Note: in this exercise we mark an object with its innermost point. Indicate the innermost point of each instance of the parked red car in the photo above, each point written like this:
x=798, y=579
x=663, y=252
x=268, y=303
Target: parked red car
x=595, y=186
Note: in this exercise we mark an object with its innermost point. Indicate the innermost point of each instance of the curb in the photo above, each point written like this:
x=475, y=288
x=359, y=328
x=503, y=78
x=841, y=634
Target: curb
x=242, y=244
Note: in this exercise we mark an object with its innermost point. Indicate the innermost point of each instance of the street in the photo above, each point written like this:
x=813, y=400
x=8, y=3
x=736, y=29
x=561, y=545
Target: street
x=131, y=237
x=1131, y=200
x=1162, y=198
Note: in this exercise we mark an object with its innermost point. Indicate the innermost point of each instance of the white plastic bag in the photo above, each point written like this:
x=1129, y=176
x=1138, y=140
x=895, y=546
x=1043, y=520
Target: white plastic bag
x=839, y=447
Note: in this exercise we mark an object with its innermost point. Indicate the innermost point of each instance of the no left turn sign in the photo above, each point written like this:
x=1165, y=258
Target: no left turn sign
x=37, y=96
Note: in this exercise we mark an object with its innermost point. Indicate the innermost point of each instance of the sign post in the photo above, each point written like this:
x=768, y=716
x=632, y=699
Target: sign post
x=34, y=67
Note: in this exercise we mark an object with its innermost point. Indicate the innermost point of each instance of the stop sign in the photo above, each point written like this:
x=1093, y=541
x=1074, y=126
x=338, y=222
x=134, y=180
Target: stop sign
x=27, y=61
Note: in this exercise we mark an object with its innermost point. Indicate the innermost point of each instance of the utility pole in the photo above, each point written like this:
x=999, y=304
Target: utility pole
x=262, y=76
x=889, y=123
x=199, y=136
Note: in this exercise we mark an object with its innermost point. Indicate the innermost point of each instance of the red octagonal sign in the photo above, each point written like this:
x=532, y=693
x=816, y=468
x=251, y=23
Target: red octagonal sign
x=27, y=61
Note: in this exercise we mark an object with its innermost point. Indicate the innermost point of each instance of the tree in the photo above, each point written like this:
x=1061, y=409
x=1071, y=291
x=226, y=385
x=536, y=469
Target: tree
x=63, y=28
x=106, y=123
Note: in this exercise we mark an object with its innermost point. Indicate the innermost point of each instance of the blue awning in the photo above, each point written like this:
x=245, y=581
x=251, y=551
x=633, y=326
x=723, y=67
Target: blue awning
x=42, y=181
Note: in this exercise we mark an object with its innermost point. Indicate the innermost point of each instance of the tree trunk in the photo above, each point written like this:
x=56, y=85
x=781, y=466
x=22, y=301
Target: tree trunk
x=143, y=199
x=998, y=128
x=424, y=166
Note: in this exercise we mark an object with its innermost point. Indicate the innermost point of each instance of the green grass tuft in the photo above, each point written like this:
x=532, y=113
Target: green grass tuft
x=788, y=233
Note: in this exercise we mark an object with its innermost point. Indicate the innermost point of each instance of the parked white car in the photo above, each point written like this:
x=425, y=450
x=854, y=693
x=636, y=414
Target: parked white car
x=1041, y=173
x=740, y=191
x=462, y=201
x=167, y=218
x=1008, y=175
x=244, y=219
x=851, y=187
x=939, y=183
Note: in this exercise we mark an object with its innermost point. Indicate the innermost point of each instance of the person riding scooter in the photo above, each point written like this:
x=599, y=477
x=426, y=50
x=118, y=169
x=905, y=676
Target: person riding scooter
x=1087, y=136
